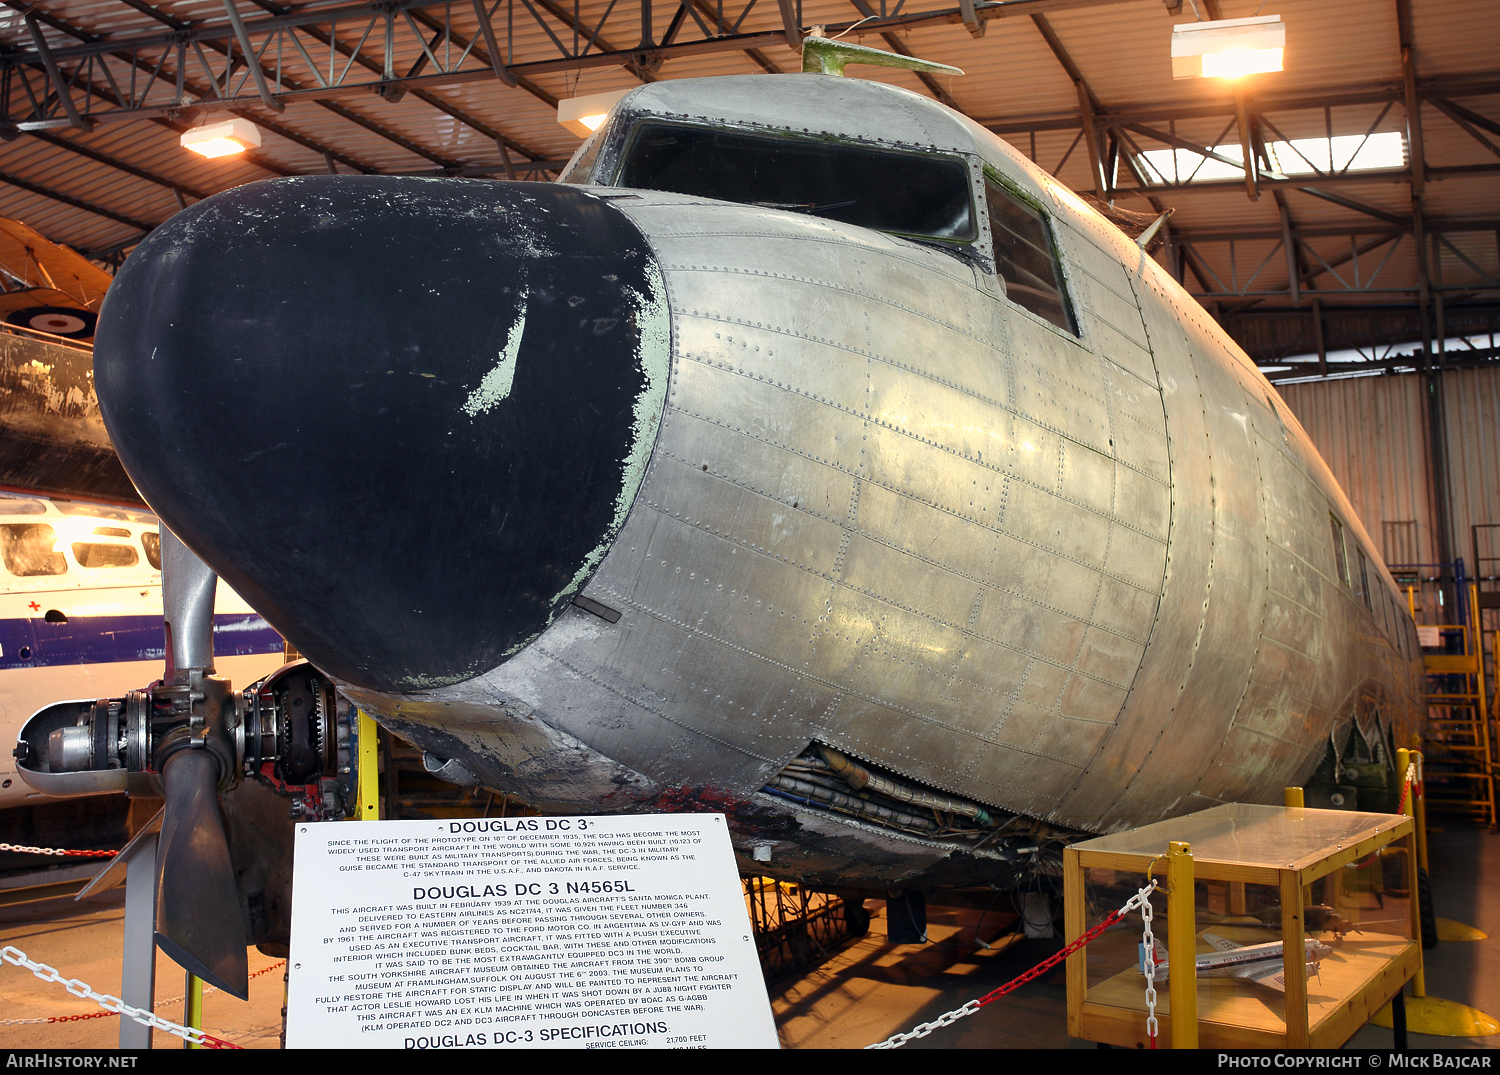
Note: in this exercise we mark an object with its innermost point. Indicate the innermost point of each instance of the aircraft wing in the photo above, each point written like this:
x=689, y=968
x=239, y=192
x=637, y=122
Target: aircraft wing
x=37, y=262
x=1268, y=974
x=52, y=437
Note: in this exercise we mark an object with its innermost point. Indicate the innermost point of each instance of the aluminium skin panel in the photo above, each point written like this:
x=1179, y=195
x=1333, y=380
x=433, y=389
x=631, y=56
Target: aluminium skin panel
x=811, y=434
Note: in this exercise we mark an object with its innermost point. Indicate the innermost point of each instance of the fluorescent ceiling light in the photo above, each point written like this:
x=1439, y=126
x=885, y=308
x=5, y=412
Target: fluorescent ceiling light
x=1228, y=48
x=222, y=139
x=1236, y=63
x=584, y=115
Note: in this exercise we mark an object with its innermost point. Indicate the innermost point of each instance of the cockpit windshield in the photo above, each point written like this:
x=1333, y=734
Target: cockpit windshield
x=885, y=190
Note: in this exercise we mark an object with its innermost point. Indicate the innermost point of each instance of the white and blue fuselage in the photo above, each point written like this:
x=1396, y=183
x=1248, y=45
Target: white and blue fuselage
x=81, y=614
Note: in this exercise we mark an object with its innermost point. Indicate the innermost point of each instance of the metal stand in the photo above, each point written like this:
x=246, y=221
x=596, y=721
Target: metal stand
x=135, y=867
x=138, y=967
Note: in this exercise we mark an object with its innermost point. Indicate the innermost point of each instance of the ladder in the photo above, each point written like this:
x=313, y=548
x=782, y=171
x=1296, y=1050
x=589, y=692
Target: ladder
x=1459, y=757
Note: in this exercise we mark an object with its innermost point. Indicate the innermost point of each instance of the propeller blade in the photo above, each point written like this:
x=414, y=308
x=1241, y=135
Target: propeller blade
x=187, y=597
x=198, y=920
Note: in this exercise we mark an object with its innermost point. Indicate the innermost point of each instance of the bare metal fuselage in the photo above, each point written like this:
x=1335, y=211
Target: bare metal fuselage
x=1092, y=580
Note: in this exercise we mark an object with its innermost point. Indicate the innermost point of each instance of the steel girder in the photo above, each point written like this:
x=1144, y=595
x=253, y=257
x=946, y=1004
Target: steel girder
x=307, y=54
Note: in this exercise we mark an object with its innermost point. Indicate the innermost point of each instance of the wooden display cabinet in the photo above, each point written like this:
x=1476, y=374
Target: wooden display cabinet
x=1261, y=873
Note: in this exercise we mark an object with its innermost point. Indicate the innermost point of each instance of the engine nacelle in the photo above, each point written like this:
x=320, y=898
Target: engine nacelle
x=290, y=731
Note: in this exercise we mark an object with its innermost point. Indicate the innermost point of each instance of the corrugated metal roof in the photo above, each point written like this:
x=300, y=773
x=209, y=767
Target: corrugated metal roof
x=1335, y=48
x=1455, y=39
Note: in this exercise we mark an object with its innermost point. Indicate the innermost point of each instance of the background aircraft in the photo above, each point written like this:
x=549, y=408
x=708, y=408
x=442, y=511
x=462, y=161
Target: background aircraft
x=1258, y=963
x=47, y=287
x=81, y=614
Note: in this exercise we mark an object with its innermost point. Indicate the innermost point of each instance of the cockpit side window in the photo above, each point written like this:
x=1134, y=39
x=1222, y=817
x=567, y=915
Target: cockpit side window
x=1026, y=257
x=917, y=194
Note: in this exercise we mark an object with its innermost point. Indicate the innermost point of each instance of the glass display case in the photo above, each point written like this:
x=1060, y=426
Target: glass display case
x=1338, y=886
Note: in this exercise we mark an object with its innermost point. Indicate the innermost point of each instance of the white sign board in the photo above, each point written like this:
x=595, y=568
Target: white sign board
x=1429, y=636
x=575, y=932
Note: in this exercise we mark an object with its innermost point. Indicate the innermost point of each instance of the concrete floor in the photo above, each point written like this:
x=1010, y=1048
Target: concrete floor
x=1465, y=861
x=871, y=990
x=868, y=991
x=82, y=940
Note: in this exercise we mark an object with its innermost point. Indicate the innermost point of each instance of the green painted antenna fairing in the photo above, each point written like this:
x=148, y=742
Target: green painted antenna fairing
x=822, y=56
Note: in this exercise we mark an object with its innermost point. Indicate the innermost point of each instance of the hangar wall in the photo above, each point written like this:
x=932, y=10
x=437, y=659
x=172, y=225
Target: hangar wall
x=1373, y=432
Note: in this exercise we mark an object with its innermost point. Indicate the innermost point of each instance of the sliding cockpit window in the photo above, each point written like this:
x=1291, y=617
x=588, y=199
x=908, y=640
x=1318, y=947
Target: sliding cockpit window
x=917, y=194
x=1026, y=258
x=1340, y=552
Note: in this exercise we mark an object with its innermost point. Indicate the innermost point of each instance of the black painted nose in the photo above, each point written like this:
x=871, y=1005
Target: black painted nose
x=404, y=418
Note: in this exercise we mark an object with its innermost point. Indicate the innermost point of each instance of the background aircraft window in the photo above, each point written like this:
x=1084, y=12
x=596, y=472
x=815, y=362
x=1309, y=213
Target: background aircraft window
x=1025, y=257
x=91, y=554
x=29, y=549
x=151, y=540
x=111, y=531
x=904, y=193
x=94, y=511
x=1364, y=578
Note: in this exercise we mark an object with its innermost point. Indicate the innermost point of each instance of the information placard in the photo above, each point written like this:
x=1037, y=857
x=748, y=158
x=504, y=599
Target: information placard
x=581, y=932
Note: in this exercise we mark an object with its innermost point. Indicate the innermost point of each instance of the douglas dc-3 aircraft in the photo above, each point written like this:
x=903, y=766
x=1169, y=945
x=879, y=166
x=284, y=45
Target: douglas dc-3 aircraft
x=805, y=453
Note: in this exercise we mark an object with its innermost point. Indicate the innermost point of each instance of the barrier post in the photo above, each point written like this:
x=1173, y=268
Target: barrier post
x=1419, y=800
x=1409, y=808
x=1182, y=945
x=192, y=1007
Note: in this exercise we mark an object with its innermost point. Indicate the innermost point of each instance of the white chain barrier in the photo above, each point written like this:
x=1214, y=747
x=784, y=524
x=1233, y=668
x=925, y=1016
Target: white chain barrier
x=921, y=1030
x=113, y=1005
x=1148, y=942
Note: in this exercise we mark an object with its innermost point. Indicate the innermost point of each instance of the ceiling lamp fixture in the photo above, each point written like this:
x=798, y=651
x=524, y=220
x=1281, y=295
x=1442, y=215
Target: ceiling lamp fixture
x=583, y=115
x=1228, y=48
x=222, y=139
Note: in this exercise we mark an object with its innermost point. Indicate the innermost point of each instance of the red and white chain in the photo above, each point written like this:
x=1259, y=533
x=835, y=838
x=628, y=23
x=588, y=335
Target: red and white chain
x=207, y=989
x=113, y=1005
x=56, y=851
x=921, y=1030
x=1412, y=780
